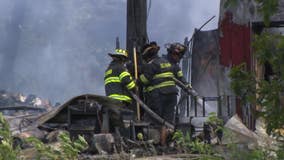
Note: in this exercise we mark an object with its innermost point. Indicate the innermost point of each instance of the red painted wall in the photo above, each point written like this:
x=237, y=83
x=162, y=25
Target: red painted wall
x=235, y=48
x=234, y=43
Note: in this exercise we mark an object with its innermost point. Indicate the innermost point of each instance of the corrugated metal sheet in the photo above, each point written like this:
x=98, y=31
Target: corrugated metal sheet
x=205, y=52
x=209, y=78
x=234, y=43
x=235, y=48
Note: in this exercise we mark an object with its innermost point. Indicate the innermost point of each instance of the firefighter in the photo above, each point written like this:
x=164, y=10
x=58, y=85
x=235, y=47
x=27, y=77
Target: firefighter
x=175, y=52
x=159, y=88
x=118, y=81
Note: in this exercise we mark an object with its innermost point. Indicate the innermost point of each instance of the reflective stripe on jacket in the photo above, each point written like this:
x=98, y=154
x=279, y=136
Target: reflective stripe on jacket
x=178, y=73
x=176, y=69
x=117, y=81
x=157, y=75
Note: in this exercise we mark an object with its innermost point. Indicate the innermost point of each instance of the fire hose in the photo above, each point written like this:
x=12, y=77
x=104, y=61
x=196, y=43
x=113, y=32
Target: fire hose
x=155, y=115
x=190, y=91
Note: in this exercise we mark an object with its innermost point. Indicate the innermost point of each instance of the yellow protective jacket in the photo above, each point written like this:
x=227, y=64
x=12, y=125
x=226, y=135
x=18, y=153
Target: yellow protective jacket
x=117, y=81
x=157, y=76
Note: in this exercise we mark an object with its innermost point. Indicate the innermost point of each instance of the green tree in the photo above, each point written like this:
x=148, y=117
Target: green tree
x=6, y=141
x=268, y=49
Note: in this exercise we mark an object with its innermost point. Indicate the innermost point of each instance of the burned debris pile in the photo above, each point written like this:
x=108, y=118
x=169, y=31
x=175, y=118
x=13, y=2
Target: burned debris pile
x=20, y=110
x=84, y=116
x=13, y=101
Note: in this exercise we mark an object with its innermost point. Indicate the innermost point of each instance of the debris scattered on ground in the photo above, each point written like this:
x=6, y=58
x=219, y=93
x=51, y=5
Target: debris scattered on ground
x=238, y=132
x=8, y=99
x=21, y=111
x=47, y=125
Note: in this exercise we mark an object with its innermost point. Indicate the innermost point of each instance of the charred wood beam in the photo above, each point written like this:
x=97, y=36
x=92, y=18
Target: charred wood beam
x=22, y=108
x=258, y=27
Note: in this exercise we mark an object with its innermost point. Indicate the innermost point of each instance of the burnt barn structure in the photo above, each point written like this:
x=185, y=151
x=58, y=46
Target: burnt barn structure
x=81, y=115
x=206, y=65
x=237, y=25
x=213, y=53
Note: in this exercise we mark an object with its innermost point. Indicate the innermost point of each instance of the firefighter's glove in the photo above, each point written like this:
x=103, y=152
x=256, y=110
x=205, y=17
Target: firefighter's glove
x=137, y=81
x=188, y=86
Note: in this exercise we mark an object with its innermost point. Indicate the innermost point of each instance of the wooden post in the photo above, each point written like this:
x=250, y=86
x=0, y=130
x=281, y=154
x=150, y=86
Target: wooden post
x=136, y=77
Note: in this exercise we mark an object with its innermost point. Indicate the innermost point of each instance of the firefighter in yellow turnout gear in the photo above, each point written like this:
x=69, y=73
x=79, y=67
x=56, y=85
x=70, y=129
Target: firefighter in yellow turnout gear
x=159, y=87
x=174, y=55
x=118, y=81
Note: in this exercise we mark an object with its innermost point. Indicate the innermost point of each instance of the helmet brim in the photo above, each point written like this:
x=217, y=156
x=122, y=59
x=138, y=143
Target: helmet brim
x=146, y=51
x=116, y=55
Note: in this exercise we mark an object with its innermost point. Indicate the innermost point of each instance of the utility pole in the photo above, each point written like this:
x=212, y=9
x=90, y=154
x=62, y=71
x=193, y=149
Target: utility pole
x=136, y=37
x=136, y=27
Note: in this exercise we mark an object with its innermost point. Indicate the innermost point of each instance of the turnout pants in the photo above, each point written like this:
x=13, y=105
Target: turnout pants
x=162, y=104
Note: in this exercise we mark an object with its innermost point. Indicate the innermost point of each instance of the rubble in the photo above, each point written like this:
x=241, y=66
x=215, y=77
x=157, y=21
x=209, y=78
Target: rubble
x=20, y=111
x=40, y=134
x=8, y=99
x=104, y=143
x=238, y=133
x=53, y=136
x=84, y=109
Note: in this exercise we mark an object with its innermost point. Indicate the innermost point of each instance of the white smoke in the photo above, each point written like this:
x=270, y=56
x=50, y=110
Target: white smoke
x=61, y=47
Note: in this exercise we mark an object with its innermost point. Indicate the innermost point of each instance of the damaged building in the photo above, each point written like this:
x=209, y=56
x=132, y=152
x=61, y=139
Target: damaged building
x=206, y=66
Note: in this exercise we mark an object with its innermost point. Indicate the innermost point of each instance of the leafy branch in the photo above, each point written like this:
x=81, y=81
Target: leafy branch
x=68, y=150
x=268, y=49
x=6, y=141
